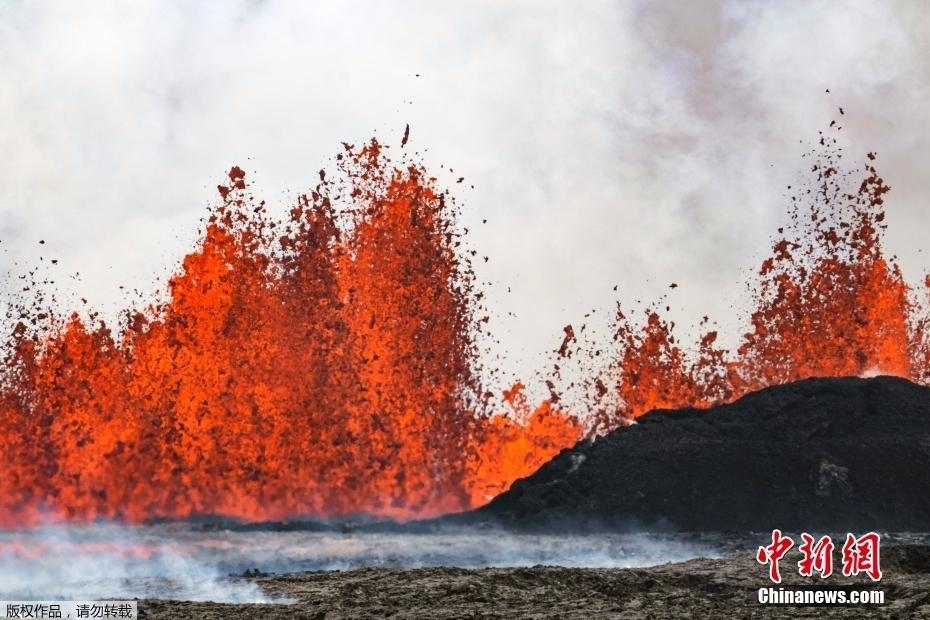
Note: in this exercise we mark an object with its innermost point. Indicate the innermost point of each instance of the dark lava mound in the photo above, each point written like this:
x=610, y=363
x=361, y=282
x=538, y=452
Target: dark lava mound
x=821, y=455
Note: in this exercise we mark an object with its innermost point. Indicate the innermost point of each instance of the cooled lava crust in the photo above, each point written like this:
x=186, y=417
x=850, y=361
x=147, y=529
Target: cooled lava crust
x=831, y=454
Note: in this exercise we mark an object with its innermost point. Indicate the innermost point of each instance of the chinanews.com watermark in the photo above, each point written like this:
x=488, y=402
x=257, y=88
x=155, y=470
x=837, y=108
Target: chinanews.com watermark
x=859, y=555
x=811, y=595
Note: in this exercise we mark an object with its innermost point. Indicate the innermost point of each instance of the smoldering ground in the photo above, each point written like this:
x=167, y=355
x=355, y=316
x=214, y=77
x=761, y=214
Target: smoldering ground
x=187, y=561
x=706, y=588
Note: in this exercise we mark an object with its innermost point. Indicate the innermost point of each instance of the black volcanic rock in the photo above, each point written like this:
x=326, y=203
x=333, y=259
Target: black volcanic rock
x=821, y=455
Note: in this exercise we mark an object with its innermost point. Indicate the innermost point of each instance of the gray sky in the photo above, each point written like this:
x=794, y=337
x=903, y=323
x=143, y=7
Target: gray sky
x=631, y=143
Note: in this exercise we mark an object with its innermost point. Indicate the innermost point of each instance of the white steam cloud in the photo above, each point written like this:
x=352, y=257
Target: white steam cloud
x=101, y=561
x=633, y=143
x=180, y=561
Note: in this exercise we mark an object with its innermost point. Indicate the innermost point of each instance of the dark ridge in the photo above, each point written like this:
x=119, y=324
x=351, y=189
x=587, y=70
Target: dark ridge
x=828, y=454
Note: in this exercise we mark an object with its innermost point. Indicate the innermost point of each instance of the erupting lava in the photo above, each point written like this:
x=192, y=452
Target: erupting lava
x=323, y=365
x=326, y=364
x=827, y=303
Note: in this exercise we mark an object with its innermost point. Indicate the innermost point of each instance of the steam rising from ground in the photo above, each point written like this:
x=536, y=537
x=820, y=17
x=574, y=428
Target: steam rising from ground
x=111, y=561
x=179, y=561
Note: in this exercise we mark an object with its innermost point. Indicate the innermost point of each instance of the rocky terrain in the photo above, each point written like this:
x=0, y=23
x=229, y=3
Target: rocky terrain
x=820, y=454
x=704, y=588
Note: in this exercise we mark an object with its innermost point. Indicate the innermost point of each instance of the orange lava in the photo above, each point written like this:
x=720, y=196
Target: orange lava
x=323, y=365
x=326, y=364
x=828, y=302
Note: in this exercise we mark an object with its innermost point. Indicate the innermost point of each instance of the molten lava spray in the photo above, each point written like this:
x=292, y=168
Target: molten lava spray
x=826, y=303
x=326, y=364
x=321, y=365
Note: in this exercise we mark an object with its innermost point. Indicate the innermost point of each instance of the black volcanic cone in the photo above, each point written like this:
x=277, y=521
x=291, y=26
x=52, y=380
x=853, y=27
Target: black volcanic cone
x=821, y=455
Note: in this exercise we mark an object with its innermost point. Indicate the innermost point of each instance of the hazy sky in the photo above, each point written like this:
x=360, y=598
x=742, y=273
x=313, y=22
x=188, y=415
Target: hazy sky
x=630, y=143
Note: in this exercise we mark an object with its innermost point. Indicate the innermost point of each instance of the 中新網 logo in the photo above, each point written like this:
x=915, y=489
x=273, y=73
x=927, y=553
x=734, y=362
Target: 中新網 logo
x=859, y=555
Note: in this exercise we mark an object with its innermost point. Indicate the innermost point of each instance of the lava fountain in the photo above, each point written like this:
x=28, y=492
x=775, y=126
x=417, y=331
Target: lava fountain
x=827, y=302
x=321, y=365
x=325, y=363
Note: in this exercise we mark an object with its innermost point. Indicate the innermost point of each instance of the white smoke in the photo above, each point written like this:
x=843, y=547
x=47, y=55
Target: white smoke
x=631, y=143
x=105, y=561
x=179, y=561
